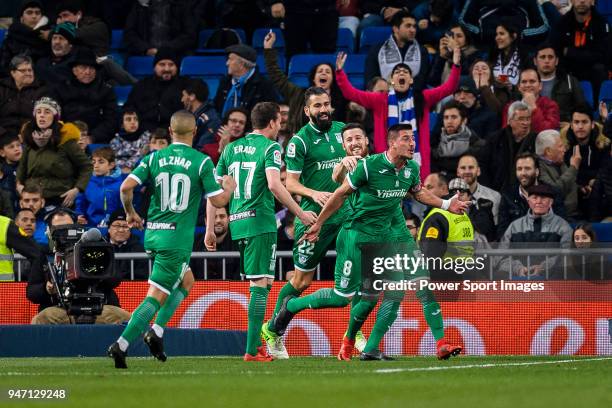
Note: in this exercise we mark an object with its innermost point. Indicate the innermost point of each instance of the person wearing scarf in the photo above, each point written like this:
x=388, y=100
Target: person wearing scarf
x=401, y=105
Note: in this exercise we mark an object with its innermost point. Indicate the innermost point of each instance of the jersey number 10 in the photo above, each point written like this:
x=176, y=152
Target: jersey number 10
x=174, y=191
x=234, y=171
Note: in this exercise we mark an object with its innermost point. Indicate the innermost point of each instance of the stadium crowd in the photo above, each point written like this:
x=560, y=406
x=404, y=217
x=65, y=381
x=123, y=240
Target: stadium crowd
x=526, y=106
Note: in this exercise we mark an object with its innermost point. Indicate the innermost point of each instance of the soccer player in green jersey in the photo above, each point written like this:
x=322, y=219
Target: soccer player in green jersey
x=181, y=175
x=311, y=156
x=254, y=161
x=377, y=186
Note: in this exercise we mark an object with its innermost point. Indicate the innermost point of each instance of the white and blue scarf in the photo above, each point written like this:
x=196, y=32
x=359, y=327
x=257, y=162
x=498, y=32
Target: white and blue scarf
x=402, y=111
x=234, y=96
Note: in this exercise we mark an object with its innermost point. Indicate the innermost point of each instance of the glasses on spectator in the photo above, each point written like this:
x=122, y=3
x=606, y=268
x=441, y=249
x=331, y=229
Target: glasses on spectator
x=120, y=226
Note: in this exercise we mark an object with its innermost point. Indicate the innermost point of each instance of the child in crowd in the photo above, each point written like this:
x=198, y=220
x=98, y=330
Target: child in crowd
x=130, y=144
x=101, y=197
x=84, y=140
x=10, y=154
x=159, y=140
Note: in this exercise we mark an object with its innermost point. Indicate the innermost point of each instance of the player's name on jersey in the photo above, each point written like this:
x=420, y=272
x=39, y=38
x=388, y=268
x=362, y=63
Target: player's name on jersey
x=243, y=215
x=391, y=193
x=174, y=161
x=244, y=149
x=170, y=226
x=327, y=164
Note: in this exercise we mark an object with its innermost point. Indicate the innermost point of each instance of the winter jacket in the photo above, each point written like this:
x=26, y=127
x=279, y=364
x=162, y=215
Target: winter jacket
x=21, y=39
x=503, y=151
x=16, y=106
x=94, y=103
x=129, y=149
x=546, y=116
x=51, y=70
x=123, y=267
x=562, y=178
x=256, y=89
x=56, y=168
x=378, y=103
x=447, y=149
x=567, y=93
x=594, y=153
x=600, y=200
x=207, y=123
x=100, y=199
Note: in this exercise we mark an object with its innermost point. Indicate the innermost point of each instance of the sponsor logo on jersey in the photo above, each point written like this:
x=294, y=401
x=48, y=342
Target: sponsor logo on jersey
x=432, y=232
x=327, y=164
x=163, y=226
x=303, y=259
x=277, y=157
x=243, y=215
x=317, y=141
x=175, y=161
x=383, y=171
x=391, y=193
x=291, y=150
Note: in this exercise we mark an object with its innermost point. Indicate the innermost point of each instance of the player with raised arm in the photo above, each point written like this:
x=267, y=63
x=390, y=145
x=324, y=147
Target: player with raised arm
x=311, y=156
x=254, y=161
x=181, y=175
x=377, y=187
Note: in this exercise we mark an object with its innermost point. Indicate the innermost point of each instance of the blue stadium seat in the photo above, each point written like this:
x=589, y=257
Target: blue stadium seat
x=122, y=93
x=205, y=35
x=605, y=92
x=604, y=7
x=261, y=64
x=587, y=89
x=116, y=40
x=117, y=57
x=204, y=67
x=301, y=64
x=433, y=119
x=345, y=41
x=2, y=35
x=95, y=146
x=260, y=34
x=140, y=66
x=372, y=36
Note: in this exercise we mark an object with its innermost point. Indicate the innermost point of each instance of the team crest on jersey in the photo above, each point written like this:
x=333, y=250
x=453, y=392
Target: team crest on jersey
x=291, y=150
x=407, y=172
x=344, y=282
x=303, y=259
x=277, y=157
x=339, y=137
x=332, y=149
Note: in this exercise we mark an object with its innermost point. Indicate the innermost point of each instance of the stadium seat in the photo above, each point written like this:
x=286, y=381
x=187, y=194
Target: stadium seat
x=117, y=57
x=345, y=41
x=372, y=36
x=122, y=93
x=260, y=34
x=587, y=89
x=140, y=66
x=2, y=35
x=205, y=35
x=301, y=64
x=204, y=67
x=605, y=92
x=604, y=7
x=94, y=146
x=213, y=85
x=116, y=40
x=261, y=64
x=433, y=119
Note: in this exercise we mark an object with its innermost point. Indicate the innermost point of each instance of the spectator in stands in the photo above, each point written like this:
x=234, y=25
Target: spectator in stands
x=606, y=118
x=507, y=56
x=582, y=36
x=434, y=19
x=235, y=125
x=437, y=183
x=381, y=12
x=101, y=197
x=587, y=266
x=400, y=47
x=52, y=158
x=224, y=243
x=26, y=220
x=87, y=97
x=131, y=143
x=349, y=15
x=155, y=98
x=480, y=118
x=249, y=15
x=153, y=25
x=32, y=199
x=513, y=203
x=160, y=139
x=413, y=223
x=284, y=134
x=456, y=36
x=550, y=150
x=243, y=86
x=11, y=152
x=507, y=143
x=321, y=75
x=494, y=94
x=402, y=104
x=557, y=85
x=123, y=241
x=594, y=149
x=84, y=139
x=600, y=201
x=541, y=227
x=544, y=111
x=54, y=67
x=41, y=291
x=455, y=139
x=27, y=35
x=18, y=94
x=195, y=99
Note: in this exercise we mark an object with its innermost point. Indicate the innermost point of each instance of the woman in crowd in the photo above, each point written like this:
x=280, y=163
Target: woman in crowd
x=494, y=94
x=443, y=62
x=507, y=57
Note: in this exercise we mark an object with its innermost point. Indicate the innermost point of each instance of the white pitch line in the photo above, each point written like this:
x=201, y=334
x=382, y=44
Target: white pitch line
x=487, y=365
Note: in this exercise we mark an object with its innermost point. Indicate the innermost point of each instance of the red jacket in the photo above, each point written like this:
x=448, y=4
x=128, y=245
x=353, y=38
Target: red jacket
x=546, y=116
x=377, y=103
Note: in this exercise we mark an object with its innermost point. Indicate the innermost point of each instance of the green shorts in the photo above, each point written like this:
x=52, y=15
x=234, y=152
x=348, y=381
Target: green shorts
x=258, y=256
x=347, y=274
x=307, y=255
x=169, y=267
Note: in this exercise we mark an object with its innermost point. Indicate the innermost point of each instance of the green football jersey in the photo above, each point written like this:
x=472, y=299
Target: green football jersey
x=178, y=175
x=313, y=154
x=379, y=190
x=252, y=204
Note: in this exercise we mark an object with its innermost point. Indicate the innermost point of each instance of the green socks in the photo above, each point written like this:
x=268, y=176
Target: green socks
x=172, y=303
x=359, y=314
x=257, y=310
x=432, y=312
x=286, y=290
x=140, y=319
x=387, y=313
x=322, y=298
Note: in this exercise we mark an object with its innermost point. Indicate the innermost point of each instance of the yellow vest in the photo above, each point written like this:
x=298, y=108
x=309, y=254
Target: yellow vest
x=6, y=254
x=460, y=230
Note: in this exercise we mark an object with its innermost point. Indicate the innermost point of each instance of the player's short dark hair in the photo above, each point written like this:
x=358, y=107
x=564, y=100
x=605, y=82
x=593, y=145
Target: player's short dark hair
x=263, y=113
x=527, y=155
x=583, y=109
x=352, y=125
x=32, y=188
x=399, y=17
x=453, y=104
x=313, y=91
x=106, y=153
x=198, y=88
x=394, y=130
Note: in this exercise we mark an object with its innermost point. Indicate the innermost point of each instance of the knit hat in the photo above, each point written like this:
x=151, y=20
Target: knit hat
x=84, y=56
x=244, y=51
x=118, y=214
x=66, y=30
x=467, y=85
x=167, y=54
x=51, y=104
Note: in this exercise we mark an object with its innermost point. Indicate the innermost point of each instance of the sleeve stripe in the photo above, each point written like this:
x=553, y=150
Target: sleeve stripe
x=271, y=146
x=135, y=177
x=214, y=193
x=365, y=167
x=348, y=179
x=273, y=168
x=303, y=143
x=151, y=159
x=294, y=171
x=202, y=165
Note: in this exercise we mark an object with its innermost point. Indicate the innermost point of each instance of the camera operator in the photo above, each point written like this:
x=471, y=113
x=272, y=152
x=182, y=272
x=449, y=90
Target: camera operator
x=14, y=239
x=42, y=291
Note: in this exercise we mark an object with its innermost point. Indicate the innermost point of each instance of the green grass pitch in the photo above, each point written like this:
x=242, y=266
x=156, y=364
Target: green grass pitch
x=475, y=382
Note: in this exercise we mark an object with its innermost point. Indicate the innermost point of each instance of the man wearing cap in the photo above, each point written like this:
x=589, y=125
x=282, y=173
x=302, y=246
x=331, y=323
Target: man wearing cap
x=540, y=225
x=55, y=67
x=87, y=97
x=156, y=97
x=120, y=236
x=480, y=118
x=243, y=86
x=444, y=234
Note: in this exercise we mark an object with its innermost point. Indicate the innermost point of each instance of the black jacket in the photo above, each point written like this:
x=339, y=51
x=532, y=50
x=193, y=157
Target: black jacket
x=503, y=149
x=214, y=268
x=256, y=89
x=21, y=39
x=182, y=32
x=141, y=268
x=16, y=105
x=51, y=70
x=594, y=154
x=568, y=94
x=600, y=201
x=156, y=100
x=25, y=246
x=94, y=103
